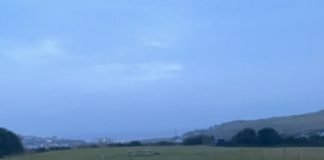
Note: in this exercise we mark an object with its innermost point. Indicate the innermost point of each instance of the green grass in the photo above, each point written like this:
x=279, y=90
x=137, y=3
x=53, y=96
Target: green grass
x=182, y=153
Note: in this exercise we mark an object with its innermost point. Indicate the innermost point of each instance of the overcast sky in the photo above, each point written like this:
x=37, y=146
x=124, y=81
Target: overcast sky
x=145, y=68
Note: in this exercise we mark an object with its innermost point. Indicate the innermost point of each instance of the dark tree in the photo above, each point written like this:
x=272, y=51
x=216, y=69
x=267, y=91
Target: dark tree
x=316, y=140
x=134, y=143
x=269, y=137
x=246, y=137
x=10, y=143
x=199, y=140
x=295, y=141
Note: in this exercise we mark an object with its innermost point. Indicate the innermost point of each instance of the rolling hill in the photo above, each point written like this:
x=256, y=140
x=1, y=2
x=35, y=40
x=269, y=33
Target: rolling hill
x=296, y=125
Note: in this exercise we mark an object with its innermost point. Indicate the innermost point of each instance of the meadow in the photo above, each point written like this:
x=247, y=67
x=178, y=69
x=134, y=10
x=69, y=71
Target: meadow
x=179, y=153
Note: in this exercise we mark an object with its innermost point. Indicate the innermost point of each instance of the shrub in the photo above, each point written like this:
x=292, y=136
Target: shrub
x=10, y=143
x=246, y=137
x=199, y=140
x=269, y=137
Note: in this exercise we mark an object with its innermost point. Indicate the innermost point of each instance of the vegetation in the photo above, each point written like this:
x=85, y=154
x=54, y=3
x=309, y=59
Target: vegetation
x=134, y=143
x=265, y=137
x=180, y=153
x=246, y=137
x=315, y=141
x=10, y=143
x=270, y=137
x=164, y=143
x=199, y=140
x=288, y=125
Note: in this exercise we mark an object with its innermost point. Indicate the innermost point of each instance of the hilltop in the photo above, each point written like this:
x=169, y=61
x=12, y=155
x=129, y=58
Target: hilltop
x=295, y=125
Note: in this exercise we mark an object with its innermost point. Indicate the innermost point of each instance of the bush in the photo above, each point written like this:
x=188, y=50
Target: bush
x=246, y=137
x=134, y=143
x=59, y=148
x=269, y=137
x=129, y=144
x=199, y=140
x=10, y=143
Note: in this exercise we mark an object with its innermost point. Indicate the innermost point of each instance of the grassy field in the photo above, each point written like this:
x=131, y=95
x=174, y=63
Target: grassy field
x=180, y=153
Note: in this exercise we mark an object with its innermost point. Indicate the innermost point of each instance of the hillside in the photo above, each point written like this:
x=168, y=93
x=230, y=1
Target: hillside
x=295, y=125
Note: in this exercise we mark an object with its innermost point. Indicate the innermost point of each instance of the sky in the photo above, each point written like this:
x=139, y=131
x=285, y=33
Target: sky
x=132, y=69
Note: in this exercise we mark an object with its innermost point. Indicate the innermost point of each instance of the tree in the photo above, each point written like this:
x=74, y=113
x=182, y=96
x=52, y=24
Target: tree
x=269, y=137
x=316, y=140
x=295, y=141
x=10, y=143
x=199, y=140
x=135, y=143
x=246, y=137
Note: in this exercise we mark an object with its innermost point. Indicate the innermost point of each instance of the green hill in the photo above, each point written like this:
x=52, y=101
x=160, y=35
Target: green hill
x=296, y=125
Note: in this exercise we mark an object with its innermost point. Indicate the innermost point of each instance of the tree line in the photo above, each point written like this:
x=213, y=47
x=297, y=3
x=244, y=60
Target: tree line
x=10, y=143
x=266, y=137
x=270, y=137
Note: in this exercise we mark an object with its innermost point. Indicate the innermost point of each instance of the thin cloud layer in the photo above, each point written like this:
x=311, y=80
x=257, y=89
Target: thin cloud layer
x=42, y=52
x=201, y=58
x=119, y=74
x=50, y=61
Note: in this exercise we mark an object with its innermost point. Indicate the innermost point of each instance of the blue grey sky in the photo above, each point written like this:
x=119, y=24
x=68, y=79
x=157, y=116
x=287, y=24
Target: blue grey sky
x=131, y=69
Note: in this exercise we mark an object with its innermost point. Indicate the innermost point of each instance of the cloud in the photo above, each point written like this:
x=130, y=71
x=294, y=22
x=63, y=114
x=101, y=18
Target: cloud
x=155, y=43
x=42, y=52
x=151, y=71
x=103, y=76
x=115, y=75
x=157, y=71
